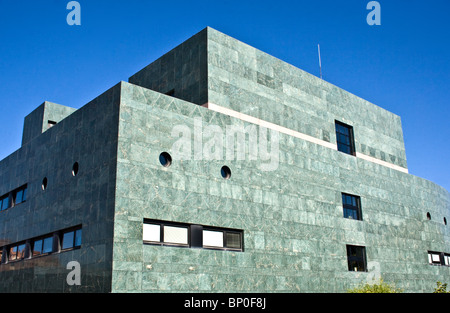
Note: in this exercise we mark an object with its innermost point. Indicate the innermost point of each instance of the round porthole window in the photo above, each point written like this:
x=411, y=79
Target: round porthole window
x=226, y=172
x=75, y=169
x=44, y=183
x=165, y=159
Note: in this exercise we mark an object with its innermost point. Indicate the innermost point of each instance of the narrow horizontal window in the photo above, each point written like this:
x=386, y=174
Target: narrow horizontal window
x=191, y=235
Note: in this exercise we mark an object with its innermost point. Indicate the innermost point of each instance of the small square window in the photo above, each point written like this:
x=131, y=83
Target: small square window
x=344, y=138
x=356, y=257
x=234, y=240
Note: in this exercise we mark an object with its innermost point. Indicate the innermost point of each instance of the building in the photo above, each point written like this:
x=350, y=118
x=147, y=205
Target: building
x=218, y=168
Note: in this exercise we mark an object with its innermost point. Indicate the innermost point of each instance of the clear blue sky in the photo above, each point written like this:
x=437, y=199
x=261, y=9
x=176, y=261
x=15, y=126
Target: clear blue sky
x=402, y=65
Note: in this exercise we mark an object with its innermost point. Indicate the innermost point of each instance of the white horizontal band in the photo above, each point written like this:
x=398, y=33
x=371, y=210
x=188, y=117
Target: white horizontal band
x=290, y=132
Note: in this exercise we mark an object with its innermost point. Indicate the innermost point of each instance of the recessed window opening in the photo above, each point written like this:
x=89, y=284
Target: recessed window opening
x=20, y=195
x=4, y=202
x=42, y=246
x=435, y=258
x=71, y=239
x=165, y=159
x=428, y=216
x=51, y=123
x=445, y=221
x=75, y=169
x=352, y=206
x=356, y=257
x=344, y=138
x=44, y=183
x=225, y=172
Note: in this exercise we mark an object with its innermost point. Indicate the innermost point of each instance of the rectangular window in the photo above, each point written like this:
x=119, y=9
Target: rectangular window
x=356, y=257
x=71, y=239
x=447, y=259
x=42, y=246
x=152, y=232
x=344, y=138
x=13, y=253
x=213, y=239
x=352, y=206
x=4, y=202
x=20, y=195
x=175, y=235
x=17, y=252
x=37, y=248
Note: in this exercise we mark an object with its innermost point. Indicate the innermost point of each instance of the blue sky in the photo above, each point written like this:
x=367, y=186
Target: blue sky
x=402, y=65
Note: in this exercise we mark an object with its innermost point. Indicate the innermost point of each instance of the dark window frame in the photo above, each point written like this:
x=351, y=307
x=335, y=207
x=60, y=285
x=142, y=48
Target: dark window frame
x=19, y=191
x=348, y=208
x=441, y=258
x=16, y=247
x=74, y=245
x=43, y=240
x=360, y=260
x=5, y=199
x=350, y=136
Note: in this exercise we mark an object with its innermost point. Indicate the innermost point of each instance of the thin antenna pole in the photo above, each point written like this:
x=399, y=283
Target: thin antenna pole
x=320, y=61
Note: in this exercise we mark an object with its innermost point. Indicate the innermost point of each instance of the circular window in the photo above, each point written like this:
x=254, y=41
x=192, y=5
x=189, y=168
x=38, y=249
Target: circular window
x=165, y=159
x=75, y=169
x=226, y=172
x=44, y=183
x=429, y=216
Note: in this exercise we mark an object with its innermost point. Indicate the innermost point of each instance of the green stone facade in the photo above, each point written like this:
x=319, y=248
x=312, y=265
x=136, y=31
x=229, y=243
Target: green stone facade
x=294, y=232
